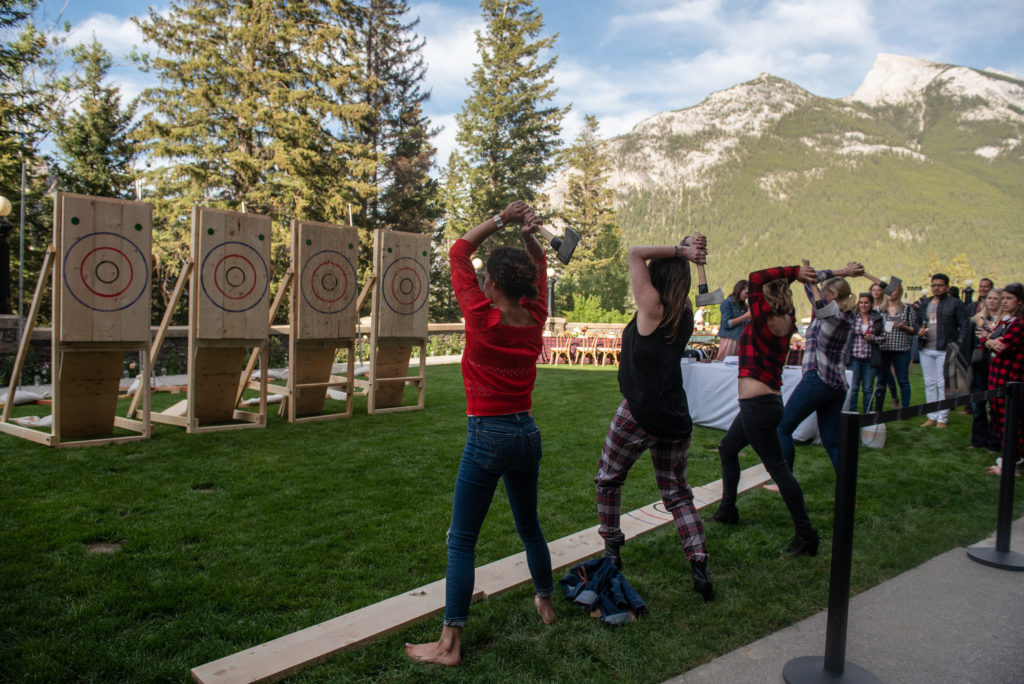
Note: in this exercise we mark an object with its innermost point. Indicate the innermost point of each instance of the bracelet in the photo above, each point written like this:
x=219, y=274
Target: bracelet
x=676, y=255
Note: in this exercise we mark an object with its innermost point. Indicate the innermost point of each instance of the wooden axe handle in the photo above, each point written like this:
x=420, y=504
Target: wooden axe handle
x=702, y=279
x=546, y=232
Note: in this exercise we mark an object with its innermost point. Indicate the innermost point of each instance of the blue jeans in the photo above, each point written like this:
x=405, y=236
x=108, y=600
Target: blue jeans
x=900, y=362
x=863, y=382
x=812, y=395
x=497, y=448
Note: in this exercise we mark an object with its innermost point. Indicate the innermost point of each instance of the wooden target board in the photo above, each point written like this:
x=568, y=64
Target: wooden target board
x=103, y=277
x=326, y=282
x=403, y=268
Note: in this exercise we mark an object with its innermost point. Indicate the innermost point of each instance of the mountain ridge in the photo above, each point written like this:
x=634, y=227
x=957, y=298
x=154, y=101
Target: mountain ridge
x=920, y=169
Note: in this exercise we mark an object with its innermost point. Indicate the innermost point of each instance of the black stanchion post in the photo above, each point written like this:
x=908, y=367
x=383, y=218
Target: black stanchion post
x=833, y=668
x=1001, y=556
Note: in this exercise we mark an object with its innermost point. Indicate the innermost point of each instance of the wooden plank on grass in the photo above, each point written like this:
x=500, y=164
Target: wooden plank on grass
x=286, y=655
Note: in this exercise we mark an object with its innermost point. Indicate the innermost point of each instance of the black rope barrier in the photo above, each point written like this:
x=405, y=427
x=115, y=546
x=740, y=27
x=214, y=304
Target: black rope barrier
x=833, y=667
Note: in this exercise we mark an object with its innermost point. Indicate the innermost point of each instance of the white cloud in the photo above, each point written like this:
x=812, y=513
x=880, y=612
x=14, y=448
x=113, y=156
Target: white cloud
x=118, y=35
x=449, y=52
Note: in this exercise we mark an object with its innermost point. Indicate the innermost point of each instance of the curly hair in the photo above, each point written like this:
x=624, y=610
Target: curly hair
x=671, y=278
x=514, y=272
x=778, y=297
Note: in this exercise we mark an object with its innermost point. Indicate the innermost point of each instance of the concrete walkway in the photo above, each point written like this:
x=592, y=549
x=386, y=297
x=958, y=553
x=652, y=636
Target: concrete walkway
x=949, y=620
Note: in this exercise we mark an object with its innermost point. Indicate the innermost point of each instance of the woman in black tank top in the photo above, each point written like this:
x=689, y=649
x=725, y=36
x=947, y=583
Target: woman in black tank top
x=653, y=415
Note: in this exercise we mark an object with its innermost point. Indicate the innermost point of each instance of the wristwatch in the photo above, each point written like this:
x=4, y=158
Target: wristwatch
x=497, y=221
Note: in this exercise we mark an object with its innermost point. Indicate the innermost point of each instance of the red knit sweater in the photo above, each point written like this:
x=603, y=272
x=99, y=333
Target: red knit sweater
x=499, y=364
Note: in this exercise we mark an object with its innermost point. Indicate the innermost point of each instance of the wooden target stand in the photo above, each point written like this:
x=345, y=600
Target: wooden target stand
x=322, y=282
x=228, y=276
x=100, y=311
x=399, y=318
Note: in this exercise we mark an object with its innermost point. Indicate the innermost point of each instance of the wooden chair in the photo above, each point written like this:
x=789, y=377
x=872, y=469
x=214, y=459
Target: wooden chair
x=610, y=346
x=562, y=347
x=588, y=348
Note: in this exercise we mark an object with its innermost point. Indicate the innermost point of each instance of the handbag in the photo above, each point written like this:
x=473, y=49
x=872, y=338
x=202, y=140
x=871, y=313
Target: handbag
x=873, y=435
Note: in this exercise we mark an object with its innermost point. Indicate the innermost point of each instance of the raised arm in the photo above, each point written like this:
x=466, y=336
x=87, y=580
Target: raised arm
x=515, y=212
x=648, y=301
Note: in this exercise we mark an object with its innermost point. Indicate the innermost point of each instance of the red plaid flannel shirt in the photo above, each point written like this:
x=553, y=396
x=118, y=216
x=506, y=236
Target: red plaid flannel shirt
x=762, y=354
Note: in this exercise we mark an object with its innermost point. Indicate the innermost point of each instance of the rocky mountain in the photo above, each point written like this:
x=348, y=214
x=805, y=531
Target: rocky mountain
x=921, y=169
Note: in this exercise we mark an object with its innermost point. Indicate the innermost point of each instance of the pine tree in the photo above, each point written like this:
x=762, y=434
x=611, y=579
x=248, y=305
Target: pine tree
x=29, y=92
x=454, y=201
x=390, y=70
x=598, y=267
x=255, y=111
x=94, y=143
x=507, y=128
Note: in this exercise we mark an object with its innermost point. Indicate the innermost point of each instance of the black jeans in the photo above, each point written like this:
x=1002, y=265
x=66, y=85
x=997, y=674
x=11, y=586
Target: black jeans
x=756, y=425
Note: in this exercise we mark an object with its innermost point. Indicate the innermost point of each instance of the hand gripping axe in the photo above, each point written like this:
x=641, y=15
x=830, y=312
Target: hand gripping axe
x=564, y=246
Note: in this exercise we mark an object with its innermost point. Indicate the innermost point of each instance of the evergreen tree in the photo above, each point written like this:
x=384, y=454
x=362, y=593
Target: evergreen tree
x=255, y=111
x=507, y=128
x=390, y=71
x=598, y=267
x=29, y=90
x=94, y=142
x=454, y=201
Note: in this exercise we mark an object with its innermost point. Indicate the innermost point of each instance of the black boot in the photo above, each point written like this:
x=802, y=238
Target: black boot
x=611, y=552
x=803, y=545
x=701, y=581
x=729, y=515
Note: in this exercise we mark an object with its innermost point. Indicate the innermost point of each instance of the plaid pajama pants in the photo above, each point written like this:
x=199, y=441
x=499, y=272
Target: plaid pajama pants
x=623, y=445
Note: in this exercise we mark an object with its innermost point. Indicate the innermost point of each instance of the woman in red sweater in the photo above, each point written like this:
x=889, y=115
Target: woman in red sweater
x=504, y=327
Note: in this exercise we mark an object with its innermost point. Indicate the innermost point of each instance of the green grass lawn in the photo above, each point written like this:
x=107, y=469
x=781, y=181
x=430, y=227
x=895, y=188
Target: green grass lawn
x=231, y=539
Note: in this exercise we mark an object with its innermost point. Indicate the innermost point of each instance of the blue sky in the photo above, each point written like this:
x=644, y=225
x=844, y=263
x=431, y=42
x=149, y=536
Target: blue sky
x=624, y=60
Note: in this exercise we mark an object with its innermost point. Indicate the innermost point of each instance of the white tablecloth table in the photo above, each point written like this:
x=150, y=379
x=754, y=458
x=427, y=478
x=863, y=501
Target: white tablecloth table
x=712, y=395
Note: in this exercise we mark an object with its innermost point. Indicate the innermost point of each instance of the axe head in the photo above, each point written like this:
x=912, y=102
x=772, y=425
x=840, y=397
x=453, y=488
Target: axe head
x=565, y=246
x=705, y=298
x=893, y=285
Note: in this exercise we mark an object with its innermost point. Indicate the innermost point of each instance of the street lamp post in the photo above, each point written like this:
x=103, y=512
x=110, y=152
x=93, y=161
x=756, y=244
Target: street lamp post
x=5, y=257
x=552, y=279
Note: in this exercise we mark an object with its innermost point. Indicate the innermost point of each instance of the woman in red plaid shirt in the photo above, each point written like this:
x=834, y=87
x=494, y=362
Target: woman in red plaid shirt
x=763, y=350
x=1006, y=343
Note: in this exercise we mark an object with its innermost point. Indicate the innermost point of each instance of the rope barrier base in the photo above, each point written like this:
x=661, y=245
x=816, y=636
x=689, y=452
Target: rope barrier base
x=1005, y=560
x=811, y=670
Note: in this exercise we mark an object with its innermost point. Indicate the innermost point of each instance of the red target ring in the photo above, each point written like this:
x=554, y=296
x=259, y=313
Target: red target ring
x=329, y=286
x=230, y=272
x=105, y=271
x=403, y=286
x=234, y=276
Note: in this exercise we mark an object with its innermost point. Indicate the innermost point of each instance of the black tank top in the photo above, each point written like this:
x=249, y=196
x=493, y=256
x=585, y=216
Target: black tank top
x=651, y=381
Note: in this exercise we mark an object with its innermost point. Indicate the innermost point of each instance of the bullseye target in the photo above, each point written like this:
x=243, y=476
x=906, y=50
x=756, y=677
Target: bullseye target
x=405, y=286
x=234, y=276
x=328, y=281
x=105, y=271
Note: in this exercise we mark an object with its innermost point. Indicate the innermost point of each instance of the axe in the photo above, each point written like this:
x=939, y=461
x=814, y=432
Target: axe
x=565, y=246
x=888, y=287
x=705, y=298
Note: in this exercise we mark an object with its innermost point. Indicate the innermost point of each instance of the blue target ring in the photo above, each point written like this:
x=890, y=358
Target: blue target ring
x=117, y=269
x=405, y=286
x=234, y=270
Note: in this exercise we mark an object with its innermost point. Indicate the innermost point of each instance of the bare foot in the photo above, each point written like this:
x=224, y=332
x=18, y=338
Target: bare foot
x=545, y=608
x=446, y=651
x=433, y=653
